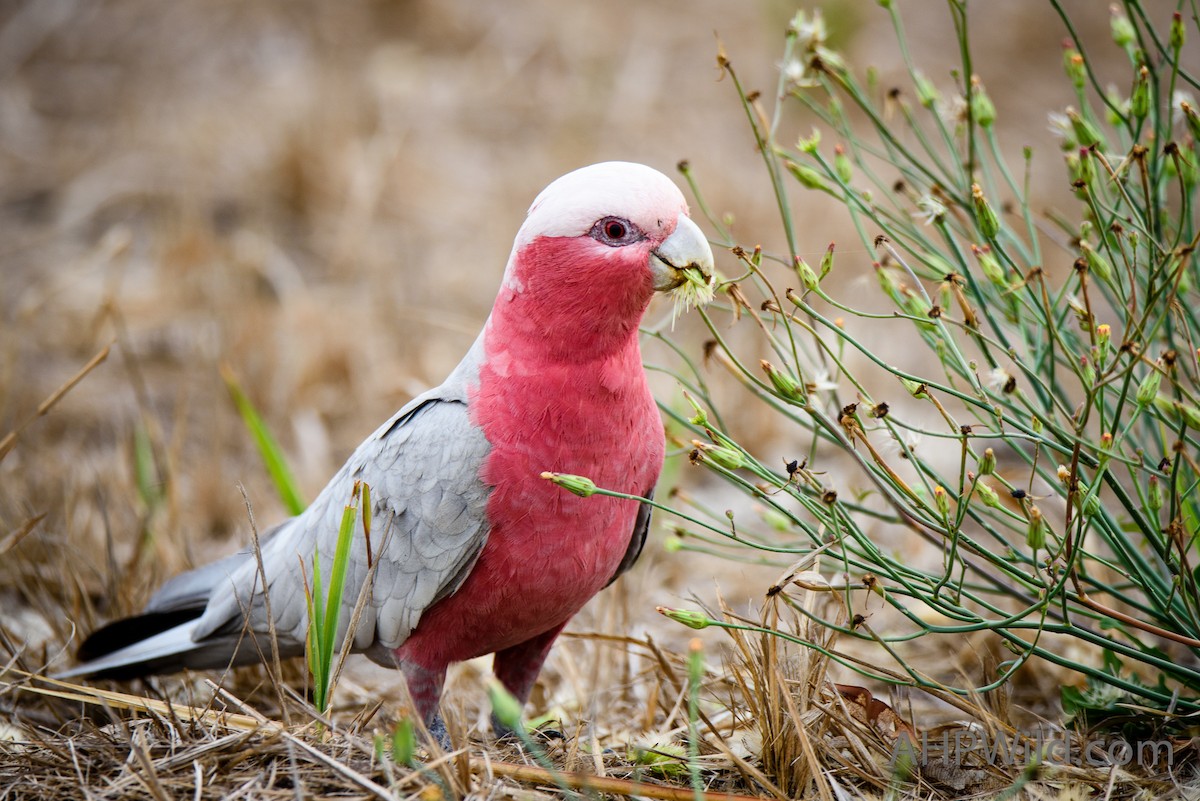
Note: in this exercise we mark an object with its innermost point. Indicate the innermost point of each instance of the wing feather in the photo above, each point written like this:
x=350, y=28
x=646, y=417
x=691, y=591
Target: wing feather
x=429, y=525
x=637, y=541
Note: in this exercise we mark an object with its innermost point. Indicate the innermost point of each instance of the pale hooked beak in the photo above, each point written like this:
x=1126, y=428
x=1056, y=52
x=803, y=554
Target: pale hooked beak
x=685, y=248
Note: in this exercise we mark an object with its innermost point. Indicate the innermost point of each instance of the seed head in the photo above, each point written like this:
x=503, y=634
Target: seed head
x=687, y=617
x=985, y=217
x=987, y=495
x=942, y=500
x=1085, y=133
x=915, y=388
x=784, y=383
x=1123, y=32
x=827, y=261
x=698, y=289
x=841, y=164
x=1096, y=263
x=806, y=274
x=1139, y=101
x=1035, y=533
x=1193, y=119
x=728, y=458
x=981, y=105
x=927, y=93
x=809, y=144
x=807, y=176
x=1154, y=497
x=583, y=487
x=992, y=269
x=1075, y=67
x=1147, y=391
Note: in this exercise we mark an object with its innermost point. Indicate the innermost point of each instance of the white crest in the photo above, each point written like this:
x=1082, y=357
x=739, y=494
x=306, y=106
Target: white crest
x=572, y=204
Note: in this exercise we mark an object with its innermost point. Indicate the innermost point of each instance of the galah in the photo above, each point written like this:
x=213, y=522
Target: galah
x=476, y=552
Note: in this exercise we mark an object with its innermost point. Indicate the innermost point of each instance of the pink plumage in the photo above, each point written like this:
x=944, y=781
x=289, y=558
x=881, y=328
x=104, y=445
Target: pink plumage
x=577, y=405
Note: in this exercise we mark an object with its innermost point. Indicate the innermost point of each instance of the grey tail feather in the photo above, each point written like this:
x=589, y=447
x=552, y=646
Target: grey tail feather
x=162, y=642
x=131, y=630
x=137, y=646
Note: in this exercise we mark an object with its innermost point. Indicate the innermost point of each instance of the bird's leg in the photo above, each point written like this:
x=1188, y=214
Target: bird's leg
x=517, y=669
x=425, y=690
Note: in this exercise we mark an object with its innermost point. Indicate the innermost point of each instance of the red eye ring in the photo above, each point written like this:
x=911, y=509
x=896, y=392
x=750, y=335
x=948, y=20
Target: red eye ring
x=615, y=232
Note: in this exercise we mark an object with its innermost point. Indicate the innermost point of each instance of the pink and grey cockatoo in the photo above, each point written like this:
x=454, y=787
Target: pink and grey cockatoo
x=481, y=554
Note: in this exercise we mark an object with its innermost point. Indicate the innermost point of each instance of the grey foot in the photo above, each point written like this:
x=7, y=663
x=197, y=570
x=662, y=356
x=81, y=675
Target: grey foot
x=437, y=730
x=501, y=731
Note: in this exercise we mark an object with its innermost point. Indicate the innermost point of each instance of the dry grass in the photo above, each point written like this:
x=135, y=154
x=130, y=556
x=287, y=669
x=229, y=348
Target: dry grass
x=322, y=196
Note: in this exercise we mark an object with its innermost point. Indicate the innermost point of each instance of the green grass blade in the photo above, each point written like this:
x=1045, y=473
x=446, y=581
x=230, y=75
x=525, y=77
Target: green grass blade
x=324, y=608
x=268, y=447
x=317, y=664
x=337, y=578
x=145, y=469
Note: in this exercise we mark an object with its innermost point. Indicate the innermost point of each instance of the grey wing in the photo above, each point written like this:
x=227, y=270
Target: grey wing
x=192, y=590
x=641, y=527
x=429, y=525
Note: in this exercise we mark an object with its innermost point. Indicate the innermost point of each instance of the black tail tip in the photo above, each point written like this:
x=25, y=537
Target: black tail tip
x=128, y=631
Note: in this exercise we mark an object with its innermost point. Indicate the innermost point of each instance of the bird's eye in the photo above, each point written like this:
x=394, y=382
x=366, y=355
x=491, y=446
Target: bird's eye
x=614, y=232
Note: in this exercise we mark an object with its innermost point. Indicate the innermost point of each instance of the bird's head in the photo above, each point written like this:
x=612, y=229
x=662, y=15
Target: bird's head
x=598, y=243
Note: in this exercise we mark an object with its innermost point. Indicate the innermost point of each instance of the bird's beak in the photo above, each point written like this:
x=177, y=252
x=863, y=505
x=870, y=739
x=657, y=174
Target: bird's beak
x=686, y=248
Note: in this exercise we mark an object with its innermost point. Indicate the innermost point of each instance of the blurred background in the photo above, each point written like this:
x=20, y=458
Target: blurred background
x=323, y=197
